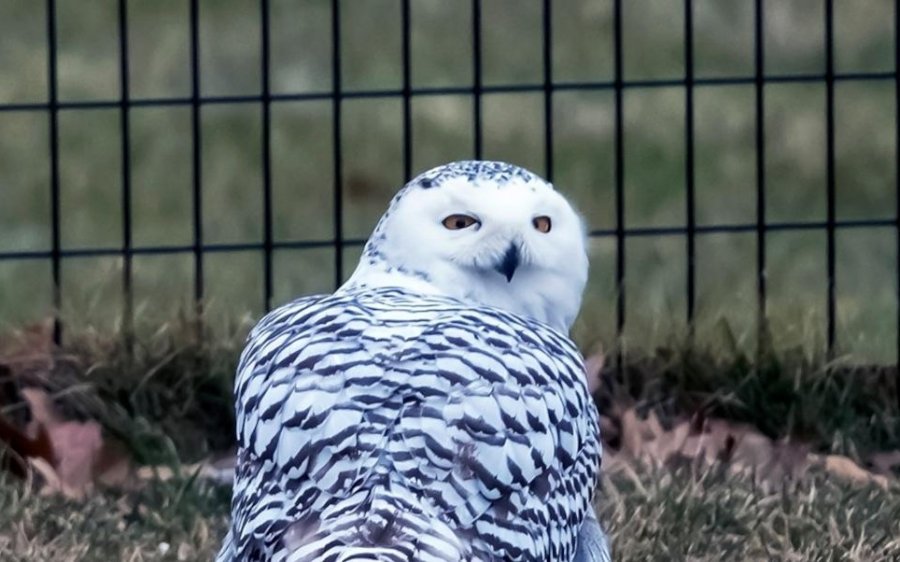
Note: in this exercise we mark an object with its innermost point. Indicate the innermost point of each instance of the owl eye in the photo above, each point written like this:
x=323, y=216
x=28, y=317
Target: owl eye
x=542, y=224
x=459, y=222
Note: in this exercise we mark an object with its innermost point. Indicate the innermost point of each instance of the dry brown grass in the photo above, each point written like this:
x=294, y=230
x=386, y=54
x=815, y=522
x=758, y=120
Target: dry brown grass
x=683, y=514
x=168, y=400
x=178, y=520
x=686, y=514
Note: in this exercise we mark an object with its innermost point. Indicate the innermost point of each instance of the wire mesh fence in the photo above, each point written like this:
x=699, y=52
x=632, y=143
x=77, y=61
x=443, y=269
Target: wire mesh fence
x=549, y=87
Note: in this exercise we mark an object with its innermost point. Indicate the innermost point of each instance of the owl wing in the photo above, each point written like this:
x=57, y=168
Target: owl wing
x=413, y=428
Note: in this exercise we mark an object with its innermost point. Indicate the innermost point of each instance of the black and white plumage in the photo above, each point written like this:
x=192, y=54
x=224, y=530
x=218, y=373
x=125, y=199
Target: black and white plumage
x=432, y=409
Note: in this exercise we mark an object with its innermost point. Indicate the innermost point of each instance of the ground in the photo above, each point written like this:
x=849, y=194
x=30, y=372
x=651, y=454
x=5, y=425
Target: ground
x=166, y=398
x=680, y=515
x=303, y=171
x=166, y=402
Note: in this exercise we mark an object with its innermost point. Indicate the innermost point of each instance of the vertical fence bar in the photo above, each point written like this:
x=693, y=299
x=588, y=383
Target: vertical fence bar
x=830, y=180
x=336, y=140
x=759, y=70
x=897, y=171
x=265, y=88
x=197, y=162
x=407, y=90
x=619, y=180
x=476, y=78
x=548, y=89
x=689, y=156
x=53, y=102
x=125, y=132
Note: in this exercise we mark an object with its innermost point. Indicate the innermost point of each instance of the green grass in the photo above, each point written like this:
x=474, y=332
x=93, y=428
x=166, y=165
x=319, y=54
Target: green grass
x=836, y=408
x=169, y=398
x=680, y=515
x=175, y=520
x=442, y=127
x=687, y=514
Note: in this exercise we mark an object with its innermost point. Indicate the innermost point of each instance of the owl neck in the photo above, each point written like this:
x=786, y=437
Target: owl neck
x=374, y=271
x=533, y=295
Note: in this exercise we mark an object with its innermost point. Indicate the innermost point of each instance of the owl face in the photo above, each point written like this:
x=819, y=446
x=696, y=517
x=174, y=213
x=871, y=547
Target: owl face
x=490, y=233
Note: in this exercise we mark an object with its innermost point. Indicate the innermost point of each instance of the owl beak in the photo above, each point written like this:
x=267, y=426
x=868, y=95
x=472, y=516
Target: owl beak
x=509, y=263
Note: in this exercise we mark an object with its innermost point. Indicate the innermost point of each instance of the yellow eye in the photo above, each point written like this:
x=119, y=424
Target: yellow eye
x=459, y=222
x=542, y=224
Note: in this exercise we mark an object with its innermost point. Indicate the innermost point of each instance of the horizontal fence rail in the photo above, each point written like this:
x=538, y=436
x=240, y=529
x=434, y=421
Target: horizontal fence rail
x=449, y=91
x=547, y=86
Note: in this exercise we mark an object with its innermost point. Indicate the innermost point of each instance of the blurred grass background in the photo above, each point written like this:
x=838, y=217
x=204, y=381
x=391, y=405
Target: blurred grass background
x=442, y=130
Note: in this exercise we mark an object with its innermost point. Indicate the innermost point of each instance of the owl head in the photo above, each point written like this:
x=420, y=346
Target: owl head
x=488, y=233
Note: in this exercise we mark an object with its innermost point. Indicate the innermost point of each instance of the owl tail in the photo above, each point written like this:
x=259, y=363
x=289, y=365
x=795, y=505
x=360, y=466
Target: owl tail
x=385, y=528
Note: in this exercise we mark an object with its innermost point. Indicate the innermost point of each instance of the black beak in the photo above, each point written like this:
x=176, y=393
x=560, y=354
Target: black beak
x=510, y=262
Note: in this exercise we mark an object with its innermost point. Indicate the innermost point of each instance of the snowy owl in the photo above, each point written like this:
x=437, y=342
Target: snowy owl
x=433, y=408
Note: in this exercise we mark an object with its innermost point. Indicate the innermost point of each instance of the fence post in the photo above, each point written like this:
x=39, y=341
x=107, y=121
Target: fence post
x=336, y=138
x=53, y=113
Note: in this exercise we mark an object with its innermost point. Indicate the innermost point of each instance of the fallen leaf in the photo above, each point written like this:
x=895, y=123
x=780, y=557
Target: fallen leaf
x=632, y=436
x=217, y=469
x=20, y=446
x=593, y=367
x=846, y=468
x=741, y=448
x=28, y=351
x=76, y=447
x=69, y=456
x=41, y=405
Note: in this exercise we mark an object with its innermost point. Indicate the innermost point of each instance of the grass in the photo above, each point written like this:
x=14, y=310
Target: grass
x=168, y=397
x=679, y=515
x=175, y=520
x=167, y=393
x=168, y=400
x=686, y=514
x=836, y=408
x=442, y=129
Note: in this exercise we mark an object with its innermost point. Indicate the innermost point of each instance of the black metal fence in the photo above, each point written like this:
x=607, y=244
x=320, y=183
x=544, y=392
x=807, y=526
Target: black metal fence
x=56, y=254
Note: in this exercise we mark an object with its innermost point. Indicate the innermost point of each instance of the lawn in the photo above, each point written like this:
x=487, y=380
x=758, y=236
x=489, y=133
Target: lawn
x=674, y=515
x=164, y=406
x=442, y=129
x=162, y=394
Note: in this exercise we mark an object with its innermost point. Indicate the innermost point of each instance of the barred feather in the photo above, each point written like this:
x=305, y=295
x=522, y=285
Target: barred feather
x=385, y=425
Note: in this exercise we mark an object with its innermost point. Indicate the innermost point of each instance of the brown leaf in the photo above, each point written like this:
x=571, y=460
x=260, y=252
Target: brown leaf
x=844, y=467
x=75, y=451
x=216, y=469
x=668, y=445
x=631, y=435
x=707, y=441
x=45, y=479
x=20, y=446
x=40, y=403
x=76, y=448
x=593, y=367
x=647, y=440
